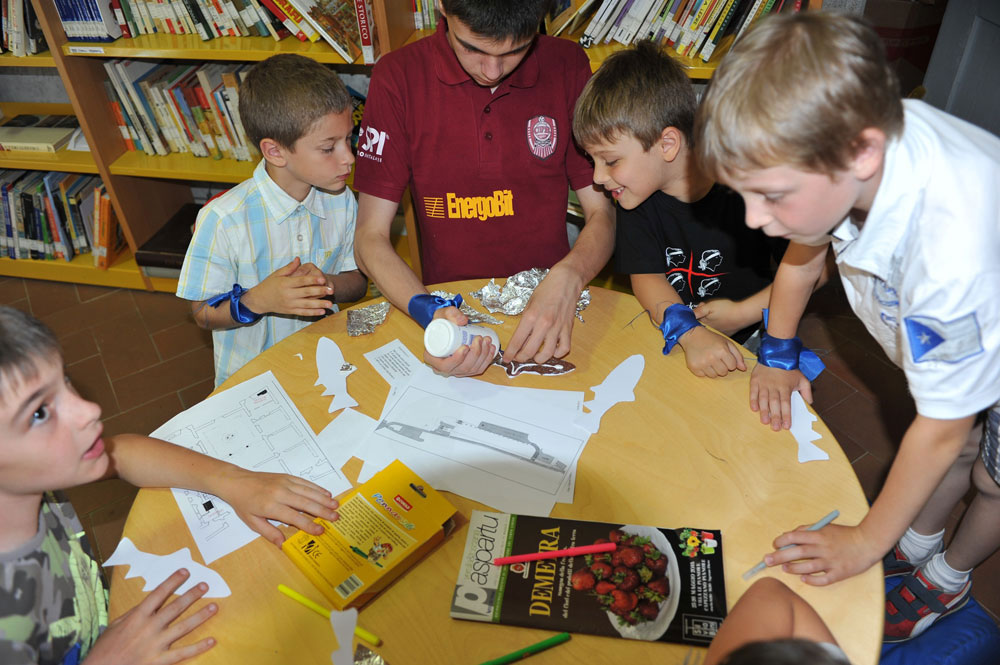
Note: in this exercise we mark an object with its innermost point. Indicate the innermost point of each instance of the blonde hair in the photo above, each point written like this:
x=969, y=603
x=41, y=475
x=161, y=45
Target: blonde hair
x=797, y=90
x=639, y=92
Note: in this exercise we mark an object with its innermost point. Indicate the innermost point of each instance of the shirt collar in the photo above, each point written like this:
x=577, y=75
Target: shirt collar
x=873, y=243
x=450, y=71
x=277, y=201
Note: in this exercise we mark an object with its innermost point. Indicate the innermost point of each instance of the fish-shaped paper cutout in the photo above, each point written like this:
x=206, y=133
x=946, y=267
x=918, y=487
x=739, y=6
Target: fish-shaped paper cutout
x=802, y=430
x=155, y=568
x=333, y=371
x=617, y=387
x=343, y=628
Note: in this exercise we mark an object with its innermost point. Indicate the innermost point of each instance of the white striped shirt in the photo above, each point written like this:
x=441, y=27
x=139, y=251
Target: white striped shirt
x=249, y=232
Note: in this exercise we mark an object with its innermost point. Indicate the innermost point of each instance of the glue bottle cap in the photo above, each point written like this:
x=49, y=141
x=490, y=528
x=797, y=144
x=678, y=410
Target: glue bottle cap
x=441, y=338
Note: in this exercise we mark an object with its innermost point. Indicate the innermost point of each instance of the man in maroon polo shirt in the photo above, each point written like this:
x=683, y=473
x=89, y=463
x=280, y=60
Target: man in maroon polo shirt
x=476, y=120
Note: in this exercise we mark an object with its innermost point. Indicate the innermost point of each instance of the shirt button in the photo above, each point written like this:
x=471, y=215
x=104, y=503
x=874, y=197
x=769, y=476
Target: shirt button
x=299, y=237
x=489, y=136
x=486, y=110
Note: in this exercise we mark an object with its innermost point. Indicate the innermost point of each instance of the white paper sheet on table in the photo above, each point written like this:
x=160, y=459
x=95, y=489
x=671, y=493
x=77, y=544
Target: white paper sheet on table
x=342, y=438
x=254, y=425
x=485, y=442
x=802, y=430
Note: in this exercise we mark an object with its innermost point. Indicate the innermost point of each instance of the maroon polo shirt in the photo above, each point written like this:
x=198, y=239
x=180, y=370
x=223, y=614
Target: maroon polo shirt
x=489, y=170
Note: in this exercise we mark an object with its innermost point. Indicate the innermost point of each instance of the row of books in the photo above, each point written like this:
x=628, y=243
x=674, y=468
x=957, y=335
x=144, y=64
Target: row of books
x=694, y=28
x=37, y=133
x=424, y=15
x=184, y=108
x=57, y=216
x=20, y=33
x=347, y=25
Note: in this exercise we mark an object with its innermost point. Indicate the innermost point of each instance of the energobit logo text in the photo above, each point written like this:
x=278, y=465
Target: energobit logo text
x=500, y=204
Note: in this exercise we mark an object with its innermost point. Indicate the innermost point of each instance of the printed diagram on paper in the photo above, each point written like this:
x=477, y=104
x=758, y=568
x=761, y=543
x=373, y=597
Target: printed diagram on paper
x=256, y=426
x=492, y=443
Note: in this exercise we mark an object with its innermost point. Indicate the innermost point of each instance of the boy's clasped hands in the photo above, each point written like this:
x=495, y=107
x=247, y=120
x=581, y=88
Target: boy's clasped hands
x=297, y=289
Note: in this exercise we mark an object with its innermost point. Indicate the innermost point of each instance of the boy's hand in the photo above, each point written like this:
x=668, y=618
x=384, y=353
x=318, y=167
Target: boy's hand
x=547, y=322
x=285, y=292
x=709, y=354
x=771, y=391
x=469, y=360
x=312, y=270
x=258, y=497
x=143, y=635
x=726, y=316
x=826, y=556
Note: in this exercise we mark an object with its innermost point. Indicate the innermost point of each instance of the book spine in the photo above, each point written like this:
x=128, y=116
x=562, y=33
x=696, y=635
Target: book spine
x=57, y=240
x=715, y=35
x=265, y=19
x=8, y=221
x=298, y=19
x=750, y=18
x=116, y=7
x=283, y=17
x=365, y=28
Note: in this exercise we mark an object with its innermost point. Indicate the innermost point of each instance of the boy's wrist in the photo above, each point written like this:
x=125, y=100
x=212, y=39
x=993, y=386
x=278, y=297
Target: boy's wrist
x=251, y=301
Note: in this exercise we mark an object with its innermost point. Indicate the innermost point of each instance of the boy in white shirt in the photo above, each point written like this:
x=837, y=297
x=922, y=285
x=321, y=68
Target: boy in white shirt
x=277, y=250
x=803, y=118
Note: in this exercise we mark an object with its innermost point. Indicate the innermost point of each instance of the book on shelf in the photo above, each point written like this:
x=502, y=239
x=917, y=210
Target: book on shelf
x=658, y=584
x=293, y=12
x=336, y=22
x=386, y=525
x=37, y=133
x=41, y=215
x=108, y=239
x=89, y=20
x=20, y=32
x=371, y=48
x=166, y=248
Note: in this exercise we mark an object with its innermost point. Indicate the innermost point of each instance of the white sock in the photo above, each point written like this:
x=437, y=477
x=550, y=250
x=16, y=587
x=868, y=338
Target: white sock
x=940, y=574
x=918, y=548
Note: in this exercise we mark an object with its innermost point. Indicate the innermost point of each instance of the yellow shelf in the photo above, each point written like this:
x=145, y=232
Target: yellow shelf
x=190, y=47
x=694, y=67
x=62, y=160
x=182, y=166
x=124, y=273
x=43, y=59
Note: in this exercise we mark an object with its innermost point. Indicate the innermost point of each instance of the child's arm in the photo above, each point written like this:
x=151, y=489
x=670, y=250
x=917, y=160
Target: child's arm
x=256, y=497
x=285, y=291
x=771, y=388
x=929, y=448
x=348, y=286
x=731, y=316
x=706, y=353
x=375, y=256
x=144, y=634
x=768, y=610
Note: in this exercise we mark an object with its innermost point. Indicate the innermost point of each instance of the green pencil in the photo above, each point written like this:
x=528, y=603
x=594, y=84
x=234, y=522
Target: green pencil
x=529, y=650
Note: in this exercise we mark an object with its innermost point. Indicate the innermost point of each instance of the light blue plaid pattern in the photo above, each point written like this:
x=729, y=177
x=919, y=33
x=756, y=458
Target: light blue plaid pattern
x=248, y=233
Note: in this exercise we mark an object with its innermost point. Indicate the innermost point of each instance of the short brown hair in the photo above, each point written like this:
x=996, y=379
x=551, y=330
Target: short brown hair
x=25, y=344
x=283, y=96
x=640, y=92
x=797, y=90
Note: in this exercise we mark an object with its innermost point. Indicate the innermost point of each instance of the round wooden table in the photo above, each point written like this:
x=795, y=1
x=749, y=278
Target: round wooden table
x=687, y=451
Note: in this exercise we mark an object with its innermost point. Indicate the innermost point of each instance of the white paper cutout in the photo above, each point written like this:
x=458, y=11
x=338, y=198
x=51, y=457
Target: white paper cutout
x=155, y=568
x=343, y=628
x=802, y=430
x=333, y=371
x=617, y=387
x=256, y=426
x=298, y=355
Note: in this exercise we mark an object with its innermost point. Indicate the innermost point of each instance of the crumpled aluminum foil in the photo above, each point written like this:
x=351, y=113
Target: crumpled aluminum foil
x=363, y=321
x=515, y=294
x=365, y=656
x=473, y=315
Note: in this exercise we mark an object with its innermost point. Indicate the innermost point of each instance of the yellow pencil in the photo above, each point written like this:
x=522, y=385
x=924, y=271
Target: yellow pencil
x=367, y=636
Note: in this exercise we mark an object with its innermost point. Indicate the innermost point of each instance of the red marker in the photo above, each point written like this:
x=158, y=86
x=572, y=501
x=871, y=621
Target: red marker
x=555, y=554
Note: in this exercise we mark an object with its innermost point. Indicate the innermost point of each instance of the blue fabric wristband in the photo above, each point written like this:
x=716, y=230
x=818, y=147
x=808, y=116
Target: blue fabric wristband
x=238, y=310
x=423, y=305
x=677, y=320
x=788, y=354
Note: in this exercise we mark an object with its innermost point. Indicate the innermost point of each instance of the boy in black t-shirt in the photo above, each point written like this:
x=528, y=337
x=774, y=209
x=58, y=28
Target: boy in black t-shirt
x=680, y=236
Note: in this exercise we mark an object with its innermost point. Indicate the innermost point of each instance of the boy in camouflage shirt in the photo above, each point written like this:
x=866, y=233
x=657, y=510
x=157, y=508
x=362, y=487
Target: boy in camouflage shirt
x=53, y=604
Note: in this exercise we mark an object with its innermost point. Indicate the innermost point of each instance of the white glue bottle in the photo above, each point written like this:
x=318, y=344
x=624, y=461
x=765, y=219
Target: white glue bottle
x=442, y=337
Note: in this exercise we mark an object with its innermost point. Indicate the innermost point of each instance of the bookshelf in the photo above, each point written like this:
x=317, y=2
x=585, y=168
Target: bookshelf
x=145, y=191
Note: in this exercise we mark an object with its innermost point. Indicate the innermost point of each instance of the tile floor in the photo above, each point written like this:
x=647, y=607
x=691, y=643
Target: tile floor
x=143, y=359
